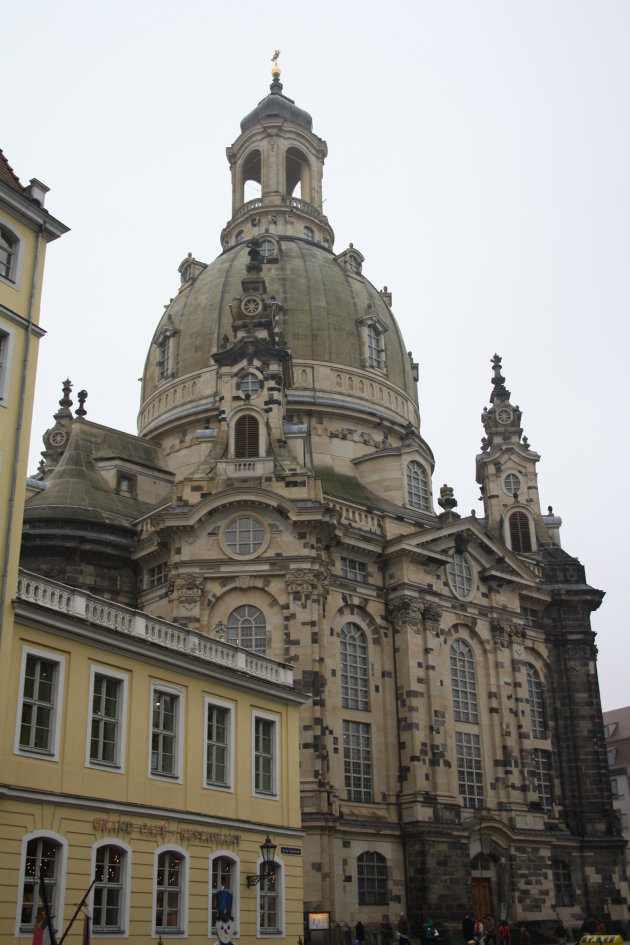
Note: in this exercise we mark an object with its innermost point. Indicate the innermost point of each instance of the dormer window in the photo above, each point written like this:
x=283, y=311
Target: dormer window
x=126, y=484
x=267, y=248
x=353, y=263
x=309, y=233
x=165, y=344
x=372, y=337
x=520, y=534
x=375, y=347
x=246, y=443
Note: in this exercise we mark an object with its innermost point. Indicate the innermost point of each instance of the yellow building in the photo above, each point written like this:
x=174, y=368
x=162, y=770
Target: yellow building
x=25, y=230
x=151, y=759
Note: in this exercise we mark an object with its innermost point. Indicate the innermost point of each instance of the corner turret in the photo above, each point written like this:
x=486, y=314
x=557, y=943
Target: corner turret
x=506, y=472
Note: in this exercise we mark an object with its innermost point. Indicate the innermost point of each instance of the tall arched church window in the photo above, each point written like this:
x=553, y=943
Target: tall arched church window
x=246, y=627
x=246, y=437
x=372, y=879
x=354, y=668
x=463, y=683
x=417, y=486
x=520, y=535
x=536, y=702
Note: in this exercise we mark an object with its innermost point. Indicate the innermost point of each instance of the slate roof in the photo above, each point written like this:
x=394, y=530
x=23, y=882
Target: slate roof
x=8, y=175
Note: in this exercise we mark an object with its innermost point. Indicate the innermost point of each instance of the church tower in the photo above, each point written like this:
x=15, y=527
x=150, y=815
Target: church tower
x=279, y=497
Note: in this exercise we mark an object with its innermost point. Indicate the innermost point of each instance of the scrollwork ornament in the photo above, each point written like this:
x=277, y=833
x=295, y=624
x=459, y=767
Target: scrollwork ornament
x=406, y=612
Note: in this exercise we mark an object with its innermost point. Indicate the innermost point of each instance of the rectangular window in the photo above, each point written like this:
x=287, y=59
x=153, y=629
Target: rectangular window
x=469, y=773
x=170, y=893
x=357, y=760
x=530, y=615
x=218, y=771
x=614, y=789
x=265, y=755
x=542, y=776
x=7, y=338
x=40, y=701
x=157, y=575
x=354, y=570
x=166, y=721
x=562, y=885
x=107, y=722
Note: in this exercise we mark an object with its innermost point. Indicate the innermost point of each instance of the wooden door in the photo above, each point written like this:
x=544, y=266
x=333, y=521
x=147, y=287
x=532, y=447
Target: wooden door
x=481, y=897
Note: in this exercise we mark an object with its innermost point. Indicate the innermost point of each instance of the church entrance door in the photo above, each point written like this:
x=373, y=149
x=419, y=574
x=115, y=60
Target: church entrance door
x=481, y=897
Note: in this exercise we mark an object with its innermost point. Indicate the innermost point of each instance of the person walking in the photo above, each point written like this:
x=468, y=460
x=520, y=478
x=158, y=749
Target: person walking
x=491, y=930
x=504, y=934
x=468, y=928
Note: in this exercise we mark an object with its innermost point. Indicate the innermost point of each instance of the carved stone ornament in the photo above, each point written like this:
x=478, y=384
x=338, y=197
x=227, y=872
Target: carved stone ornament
x=188, y=589
x=220, y=631
x=406, y=612
x=507, y=634
x=432, y=615
x=302, y=581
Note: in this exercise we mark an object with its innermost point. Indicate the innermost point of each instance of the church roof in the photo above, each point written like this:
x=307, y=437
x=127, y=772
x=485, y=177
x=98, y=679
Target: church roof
x=8, y=175
x=277, y=105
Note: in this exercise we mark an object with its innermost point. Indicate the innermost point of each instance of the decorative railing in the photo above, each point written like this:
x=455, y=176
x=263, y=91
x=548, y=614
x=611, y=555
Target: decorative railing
x=33, y=589
x=247, y=208
x=303, y=205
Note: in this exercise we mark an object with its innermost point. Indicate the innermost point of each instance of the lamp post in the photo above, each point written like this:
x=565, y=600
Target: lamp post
x=268, y=850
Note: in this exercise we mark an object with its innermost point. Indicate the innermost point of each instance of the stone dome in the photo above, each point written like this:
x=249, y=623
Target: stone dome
x=324, y=305
x=277, y=105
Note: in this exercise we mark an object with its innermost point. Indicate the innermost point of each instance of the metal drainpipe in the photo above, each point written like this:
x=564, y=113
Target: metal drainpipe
x=18, y=429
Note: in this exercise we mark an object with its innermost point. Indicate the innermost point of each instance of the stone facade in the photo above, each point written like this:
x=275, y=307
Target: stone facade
x=452, y=753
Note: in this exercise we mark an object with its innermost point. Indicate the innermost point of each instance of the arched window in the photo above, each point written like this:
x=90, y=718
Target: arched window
x=42, y=854
x=372, y=879
x=354, y=668
x=520, y=535
x=562, y=885
x=224, y=875
x=170, y=890
x=270, y=911
x=417, y=486
x=110, y=869
x=536, y=702
x=246, y=437
x=463, y=683
x=246, y=627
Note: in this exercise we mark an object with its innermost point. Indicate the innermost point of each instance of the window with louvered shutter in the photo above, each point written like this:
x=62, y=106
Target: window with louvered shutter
x=246, y=437
x=520, y=537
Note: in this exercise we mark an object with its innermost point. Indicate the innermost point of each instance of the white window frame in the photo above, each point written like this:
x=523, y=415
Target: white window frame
x=7, y=343
x=176, y=777
x=236, y=887
x=228, y=707
x=118, y=766
x=279, y=931
x=354, y=570
x=14, y=279
x=52, y=753
x=182, y=932
x=257, y=715
x=25, y=932
x=359, y=786
x=469, y=769
x=418, y=486
x=126, y=888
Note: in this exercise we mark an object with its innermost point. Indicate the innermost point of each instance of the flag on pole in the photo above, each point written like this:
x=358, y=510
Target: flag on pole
x=86, y=929
x=38, y=929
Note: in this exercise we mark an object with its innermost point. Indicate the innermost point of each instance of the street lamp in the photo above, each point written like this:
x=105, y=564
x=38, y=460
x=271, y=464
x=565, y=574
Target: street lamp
x=268, y=850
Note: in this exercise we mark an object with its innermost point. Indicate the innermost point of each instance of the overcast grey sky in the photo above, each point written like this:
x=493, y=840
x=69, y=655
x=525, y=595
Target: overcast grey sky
x=479, y=157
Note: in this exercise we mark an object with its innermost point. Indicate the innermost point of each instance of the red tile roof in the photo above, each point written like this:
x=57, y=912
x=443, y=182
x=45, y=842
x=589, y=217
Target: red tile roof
x=8, y=175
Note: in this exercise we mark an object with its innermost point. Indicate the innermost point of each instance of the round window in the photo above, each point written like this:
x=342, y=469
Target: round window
x=460, y=576
x=251, y=305
x=512, y=484
x=250, y=384
x=244, y=536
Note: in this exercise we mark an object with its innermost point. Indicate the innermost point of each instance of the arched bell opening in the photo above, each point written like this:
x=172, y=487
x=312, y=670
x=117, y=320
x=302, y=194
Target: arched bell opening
x=251, y=177
x=298, y=175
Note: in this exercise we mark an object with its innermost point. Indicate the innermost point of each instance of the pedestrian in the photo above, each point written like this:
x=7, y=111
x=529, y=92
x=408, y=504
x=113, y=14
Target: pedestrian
x=525, y=936
x=479, y=931
x=403, y=929
x=505, y=936
x=359, y=933
x=491, y=930
x=560, y=933
x=468, y=928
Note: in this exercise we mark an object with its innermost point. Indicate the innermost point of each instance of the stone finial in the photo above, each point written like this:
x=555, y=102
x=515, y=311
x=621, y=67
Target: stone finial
x=66, y=388
x=499, y=389
x=81, y=411
x=275, y=69
x=447, y=500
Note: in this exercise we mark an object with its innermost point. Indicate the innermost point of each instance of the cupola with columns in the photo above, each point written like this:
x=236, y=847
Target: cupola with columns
x=278, y=151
